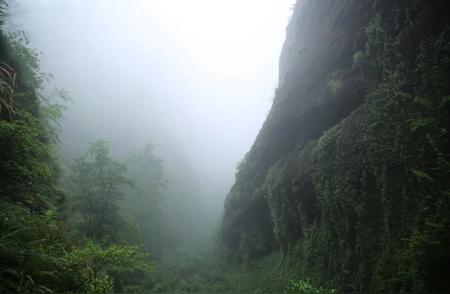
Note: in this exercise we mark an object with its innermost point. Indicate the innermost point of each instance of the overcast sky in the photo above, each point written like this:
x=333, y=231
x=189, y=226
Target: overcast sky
x=195, y=78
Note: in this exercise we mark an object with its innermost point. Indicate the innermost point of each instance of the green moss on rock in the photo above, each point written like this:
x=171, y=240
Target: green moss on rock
x=359, y=201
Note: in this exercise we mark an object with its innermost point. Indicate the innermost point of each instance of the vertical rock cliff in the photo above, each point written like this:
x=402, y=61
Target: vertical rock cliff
x=349, y=176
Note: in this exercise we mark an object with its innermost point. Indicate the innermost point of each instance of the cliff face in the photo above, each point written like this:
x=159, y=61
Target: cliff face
x=349, y=174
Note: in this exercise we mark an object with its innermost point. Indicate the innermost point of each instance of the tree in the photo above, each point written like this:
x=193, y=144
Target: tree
x=99, y=182
x=147, y=174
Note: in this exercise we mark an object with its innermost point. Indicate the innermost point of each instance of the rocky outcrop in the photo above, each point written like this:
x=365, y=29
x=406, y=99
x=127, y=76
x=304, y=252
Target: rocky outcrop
x=351, y=166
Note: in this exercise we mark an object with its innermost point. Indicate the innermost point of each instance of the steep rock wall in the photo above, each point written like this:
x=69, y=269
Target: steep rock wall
x=349, y=173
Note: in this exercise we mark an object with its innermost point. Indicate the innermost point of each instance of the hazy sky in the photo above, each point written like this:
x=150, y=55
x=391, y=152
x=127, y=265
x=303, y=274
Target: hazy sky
x=193, y=77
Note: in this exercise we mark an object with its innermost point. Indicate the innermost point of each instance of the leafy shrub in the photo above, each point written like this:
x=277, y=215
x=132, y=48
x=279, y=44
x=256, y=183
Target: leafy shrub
x=35, y=258
x=305, y=287
x=95, y=269
x=31, y=251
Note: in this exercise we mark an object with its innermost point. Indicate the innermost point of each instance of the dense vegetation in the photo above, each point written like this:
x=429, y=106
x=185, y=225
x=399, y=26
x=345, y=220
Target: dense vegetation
x=347, y=182
x=88, y=222
x=346, y=187
x=58, y=237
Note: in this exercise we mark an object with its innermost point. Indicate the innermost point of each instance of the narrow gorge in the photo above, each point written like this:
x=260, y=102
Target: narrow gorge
x=202, y=146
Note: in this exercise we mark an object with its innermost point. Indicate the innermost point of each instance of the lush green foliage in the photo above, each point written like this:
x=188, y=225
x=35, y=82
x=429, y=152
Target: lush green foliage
x=305, y=287
x=358, y=203
x=98, y=270
x=31, y=250
x=37, y=253
x=346, y=186
x=29, y=179
x=37, y=259
x=99, y=182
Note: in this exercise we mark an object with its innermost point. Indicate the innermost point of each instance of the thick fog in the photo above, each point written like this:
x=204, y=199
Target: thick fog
x=194, y=78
